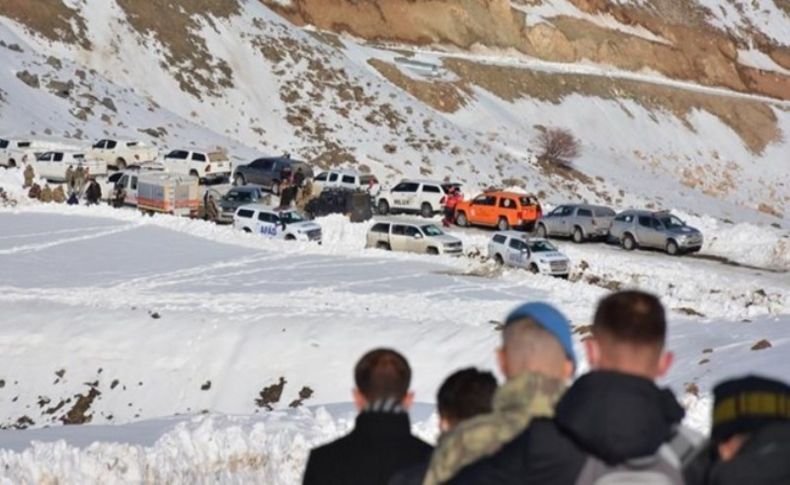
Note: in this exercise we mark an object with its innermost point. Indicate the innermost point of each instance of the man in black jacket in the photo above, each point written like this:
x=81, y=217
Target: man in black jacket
x=381, y=443
x=613, y=421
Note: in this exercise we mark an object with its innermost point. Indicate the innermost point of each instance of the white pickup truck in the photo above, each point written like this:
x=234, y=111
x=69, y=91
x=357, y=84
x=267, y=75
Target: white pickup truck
x=52, y=165
x=18, y=152
x=204, y=165
x=120, y=154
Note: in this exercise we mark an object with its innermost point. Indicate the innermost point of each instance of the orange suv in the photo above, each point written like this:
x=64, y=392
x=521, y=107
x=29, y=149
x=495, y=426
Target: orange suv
x=503, y=210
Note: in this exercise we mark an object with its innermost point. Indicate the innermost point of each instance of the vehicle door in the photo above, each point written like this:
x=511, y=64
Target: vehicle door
x=320, y=181
x=414, y=240
x=268, y=224
x=497, y=245
x=658, y=235
x=261, y=172
x=43, y=165
x=517, y=253
x=199, y=164
x=404, y=195
x=583, y=219
x=398, y=239
x=432, y=194
x=508, y=207
x=333, y=179
x=481, y=209
x=646, y=231
x=378, y=233
x=176, y=161
x=552, y=220
x=131, y=191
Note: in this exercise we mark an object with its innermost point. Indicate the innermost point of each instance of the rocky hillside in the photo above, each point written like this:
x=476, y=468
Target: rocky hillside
x=678, y=107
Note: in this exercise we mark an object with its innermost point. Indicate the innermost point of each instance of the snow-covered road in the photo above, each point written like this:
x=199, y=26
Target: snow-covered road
x=165, y=316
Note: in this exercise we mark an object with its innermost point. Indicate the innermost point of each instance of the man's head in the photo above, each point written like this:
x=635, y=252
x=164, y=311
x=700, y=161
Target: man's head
x=536, y=338
x=629, y=331
x=464, y=395
x=743, y=406
x=382, y=375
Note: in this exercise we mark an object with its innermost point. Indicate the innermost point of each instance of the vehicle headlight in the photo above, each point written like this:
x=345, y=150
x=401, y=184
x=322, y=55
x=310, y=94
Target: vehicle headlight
x=543, y=261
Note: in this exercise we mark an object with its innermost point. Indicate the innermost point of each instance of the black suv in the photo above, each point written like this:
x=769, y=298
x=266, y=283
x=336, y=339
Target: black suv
x=268, y=172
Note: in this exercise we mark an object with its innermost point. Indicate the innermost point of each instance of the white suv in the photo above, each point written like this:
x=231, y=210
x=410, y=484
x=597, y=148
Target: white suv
x=346, y=179
x=201, y=164
x=122, y=153
x=538, y=255
x=285, y=224
x=416, y=196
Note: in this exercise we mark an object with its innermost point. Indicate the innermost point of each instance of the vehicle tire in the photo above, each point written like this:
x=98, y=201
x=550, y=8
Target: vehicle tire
x=238, y=180
x=498, y=259
x=290, y=237
x=383, y=245
x=628, y=242
x=120, y=164
x=384, y=207
x=542, y=231
x=247, y=230
x=433, y=251
x=426, y=210
x=460, y=219
x=12, y=163
x=533, y=268
x=502, y=224
x=672, y=248
x=578, y=235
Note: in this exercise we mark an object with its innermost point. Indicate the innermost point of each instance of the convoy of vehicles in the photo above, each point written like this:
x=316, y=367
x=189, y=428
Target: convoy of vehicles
x=538, y=255
x=414, y=237
x=422, y=197
x=52, y=165
x=657, y=230
x=272, y=222
x=503, y=210
x=581, y=222
x=120, y=154
x=205, y=165
x=268, y=172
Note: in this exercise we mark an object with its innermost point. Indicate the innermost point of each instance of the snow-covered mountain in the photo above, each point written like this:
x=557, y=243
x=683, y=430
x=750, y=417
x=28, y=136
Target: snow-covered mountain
x=678, y=109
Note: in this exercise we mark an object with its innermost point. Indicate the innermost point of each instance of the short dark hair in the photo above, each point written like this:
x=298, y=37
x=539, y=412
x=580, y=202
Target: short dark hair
x=465, y=394
x=383, y=374
x=632, y=317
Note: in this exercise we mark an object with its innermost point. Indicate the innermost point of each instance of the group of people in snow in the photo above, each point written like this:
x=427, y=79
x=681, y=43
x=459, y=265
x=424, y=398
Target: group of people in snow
x=79, y=183
x=612, y=425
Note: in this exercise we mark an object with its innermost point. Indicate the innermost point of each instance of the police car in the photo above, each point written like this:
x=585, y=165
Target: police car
x=272, y=222
x=538, y=255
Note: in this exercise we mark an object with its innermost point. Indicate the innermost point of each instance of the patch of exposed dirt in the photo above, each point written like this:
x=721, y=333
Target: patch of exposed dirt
x=304, y=394
x=80, y=413
x=444, y=96
x=270, y=395
x=52, y=19
x=176, y=25
x=761, y=345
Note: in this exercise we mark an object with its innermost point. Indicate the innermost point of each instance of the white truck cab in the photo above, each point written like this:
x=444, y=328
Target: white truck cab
x=272, y=222
x=346, y=179
x=52, y=165
x=204, y=165
x=122, y=153
x=416, y=196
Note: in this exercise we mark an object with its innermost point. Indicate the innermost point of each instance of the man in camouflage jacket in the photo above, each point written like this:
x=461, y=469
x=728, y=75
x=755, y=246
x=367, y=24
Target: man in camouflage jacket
x=537, y=359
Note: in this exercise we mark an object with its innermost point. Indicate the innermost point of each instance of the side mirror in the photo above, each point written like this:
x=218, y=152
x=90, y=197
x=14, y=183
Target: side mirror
x=418, y=236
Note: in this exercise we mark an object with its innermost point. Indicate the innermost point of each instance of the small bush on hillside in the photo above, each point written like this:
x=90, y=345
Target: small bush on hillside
x=558, y=145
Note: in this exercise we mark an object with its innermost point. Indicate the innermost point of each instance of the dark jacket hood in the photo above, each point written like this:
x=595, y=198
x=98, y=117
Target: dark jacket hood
x=617, y=417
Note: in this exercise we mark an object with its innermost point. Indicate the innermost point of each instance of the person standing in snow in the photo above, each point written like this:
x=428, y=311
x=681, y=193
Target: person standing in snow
x=381, y=442
x=537, y=359
x=29, y=174
x=750, y=437
x=613, y=425
x=70, y=179
x=450, y=201
x=463, y=395
x=79, y=180
x=286, y=195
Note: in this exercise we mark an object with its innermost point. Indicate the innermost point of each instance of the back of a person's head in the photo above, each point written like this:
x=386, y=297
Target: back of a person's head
x=382, y=374
x=537, y=339
x=465, y=394
x=630, y=331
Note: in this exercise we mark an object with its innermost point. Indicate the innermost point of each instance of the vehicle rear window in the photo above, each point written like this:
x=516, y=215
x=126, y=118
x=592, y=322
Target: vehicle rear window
x=380, y=227
x=603, y=212
x=111, y=144
x=79, y=156
x=246, y=213
x=584, y=213
x=333, y=177
x=398, y=230
x=23, y=144
x=349, y=179
x=432, y=189
x=198, y=157
x=499, y=238
x=178, y=154
x=3, y=143
x=132, y=143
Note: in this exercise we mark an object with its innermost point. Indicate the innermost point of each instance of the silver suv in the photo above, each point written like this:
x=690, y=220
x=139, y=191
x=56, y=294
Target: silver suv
x=579, y=221
x=414, y=237
x=660, y=230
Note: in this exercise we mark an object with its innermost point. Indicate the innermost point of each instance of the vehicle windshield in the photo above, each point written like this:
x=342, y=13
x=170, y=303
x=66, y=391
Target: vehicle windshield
x=3, y=143
x=431, y=230
x=241, y=196
x=291, y=217
x=671, y=222
x=541, y=246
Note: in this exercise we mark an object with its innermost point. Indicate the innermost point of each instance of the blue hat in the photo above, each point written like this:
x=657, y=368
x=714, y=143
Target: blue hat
x=550, y=319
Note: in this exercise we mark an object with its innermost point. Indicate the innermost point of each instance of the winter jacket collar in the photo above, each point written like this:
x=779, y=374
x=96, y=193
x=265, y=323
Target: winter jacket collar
x=517, y=395
x=618, y=417
x=383, y=421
